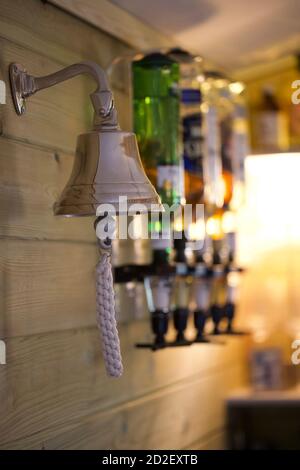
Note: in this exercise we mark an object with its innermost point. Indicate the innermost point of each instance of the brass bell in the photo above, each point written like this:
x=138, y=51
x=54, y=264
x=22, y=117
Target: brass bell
x=107, y=165
x=107, y=162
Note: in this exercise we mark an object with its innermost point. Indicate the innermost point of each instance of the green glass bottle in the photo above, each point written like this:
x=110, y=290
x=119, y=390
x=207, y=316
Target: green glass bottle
x=156, y=122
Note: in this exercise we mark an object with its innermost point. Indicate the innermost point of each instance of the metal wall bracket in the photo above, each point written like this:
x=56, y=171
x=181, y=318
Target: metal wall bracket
x=24, y=85
x=16, y=77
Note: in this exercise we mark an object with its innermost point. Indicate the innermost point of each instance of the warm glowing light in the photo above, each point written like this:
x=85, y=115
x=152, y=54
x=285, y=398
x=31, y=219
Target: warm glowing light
x=238, y=195
x=138, y=57
x=229, y=222
x=138, y=227
x=200, y=78
x=220, y=82
x=204, y=108
x=206, y=86
x=236, y=87
x=214, y=226
x=197, y=230
x=270, y=217
x=178, y=224
x=233, y=279
x=198, y=58
x=269, y=245
x=157, y=226
x=260, y=335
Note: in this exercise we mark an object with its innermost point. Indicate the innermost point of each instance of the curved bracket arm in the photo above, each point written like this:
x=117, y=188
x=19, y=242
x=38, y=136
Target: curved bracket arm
x=24, y=85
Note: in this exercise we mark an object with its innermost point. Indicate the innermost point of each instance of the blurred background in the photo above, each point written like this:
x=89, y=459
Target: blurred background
x=209, y=319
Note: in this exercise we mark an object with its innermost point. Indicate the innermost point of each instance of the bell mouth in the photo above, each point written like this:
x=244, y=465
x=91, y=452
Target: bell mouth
x=73, y=204
x=91, y=209
x=107, y=171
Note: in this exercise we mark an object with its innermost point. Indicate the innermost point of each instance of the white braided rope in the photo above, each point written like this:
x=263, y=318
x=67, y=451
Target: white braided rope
x=105, y=315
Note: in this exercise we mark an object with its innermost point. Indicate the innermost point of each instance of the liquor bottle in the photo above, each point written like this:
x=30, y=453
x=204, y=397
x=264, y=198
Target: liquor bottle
x=214, y=227
x=226, y=119
x=271, y=124
x=218, y=289
x=240, y=145
x=221, y=95
x=212, y=143
x=230, y=230
x=158, y=288
x=232, y=286
x=156, y=122
x=191, y=77
x=202, y=285
x=232, y=271
x=181, y=292
x=215, y=231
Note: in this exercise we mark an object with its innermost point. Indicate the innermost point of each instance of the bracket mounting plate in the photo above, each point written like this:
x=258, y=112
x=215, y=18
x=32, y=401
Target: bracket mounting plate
x=16, y=74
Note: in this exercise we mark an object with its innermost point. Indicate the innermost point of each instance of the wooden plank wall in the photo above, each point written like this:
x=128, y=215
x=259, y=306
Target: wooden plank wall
x=54, y=393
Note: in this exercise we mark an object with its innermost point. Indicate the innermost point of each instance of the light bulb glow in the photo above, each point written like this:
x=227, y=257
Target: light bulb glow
x=214, y=227
x=229, y=222
x=269, y=219
x=269, y=246
x=197, y=230
x=178, y=224
x=236, y=87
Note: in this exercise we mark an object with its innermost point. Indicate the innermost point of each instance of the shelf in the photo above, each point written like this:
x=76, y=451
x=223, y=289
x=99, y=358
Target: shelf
x=250, y=397
x=115, y=21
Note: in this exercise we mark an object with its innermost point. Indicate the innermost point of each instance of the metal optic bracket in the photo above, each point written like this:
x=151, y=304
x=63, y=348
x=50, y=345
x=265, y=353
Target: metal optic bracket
x=24, y=85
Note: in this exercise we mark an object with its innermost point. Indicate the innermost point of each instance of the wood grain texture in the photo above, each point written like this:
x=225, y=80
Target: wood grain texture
x=266, y=69
x=84, y=409
x=116, y=21
x=53, y=391
x=180, y=408
x=32, y=179
x=55, y=116
x=216, y=440
x=48, y=286
x=56, y=34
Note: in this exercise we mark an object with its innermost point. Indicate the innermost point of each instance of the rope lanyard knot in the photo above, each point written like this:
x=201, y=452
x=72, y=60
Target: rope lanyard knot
x=105, y=312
